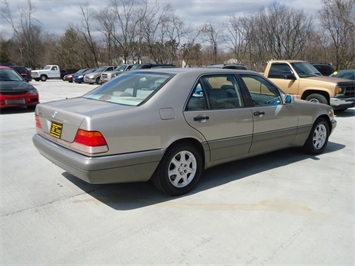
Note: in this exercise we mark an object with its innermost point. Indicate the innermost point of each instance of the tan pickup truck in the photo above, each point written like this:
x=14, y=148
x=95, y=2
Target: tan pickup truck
x=301, y=79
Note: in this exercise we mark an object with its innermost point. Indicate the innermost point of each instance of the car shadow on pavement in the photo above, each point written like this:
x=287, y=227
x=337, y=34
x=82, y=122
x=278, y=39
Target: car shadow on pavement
x=346, y=113
x=139, y=195
x=16, y=110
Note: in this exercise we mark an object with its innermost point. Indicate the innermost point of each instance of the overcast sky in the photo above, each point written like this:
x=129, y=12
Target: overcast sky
x=56, y=15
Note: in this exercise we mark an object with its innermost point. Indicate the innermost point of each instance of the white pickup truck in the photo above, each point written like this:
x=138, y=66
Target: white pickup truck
x=48, y=72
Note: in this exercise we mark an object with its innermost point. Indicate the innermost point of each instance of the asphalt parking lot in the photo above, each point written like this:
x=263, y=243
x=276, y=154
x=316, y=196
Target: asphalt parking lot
x=283, y=208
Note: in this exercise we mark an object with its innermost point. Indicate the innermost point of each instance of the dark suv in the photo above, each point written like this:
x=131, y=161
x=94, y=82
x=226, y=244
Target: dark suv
x=147, y=66
x=324, y=68
x=24, y=72
x=228, y=66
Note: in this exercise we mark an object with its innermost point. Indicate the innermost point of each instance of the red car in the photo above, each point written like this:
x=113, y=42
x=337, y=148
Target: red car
x=14, y=91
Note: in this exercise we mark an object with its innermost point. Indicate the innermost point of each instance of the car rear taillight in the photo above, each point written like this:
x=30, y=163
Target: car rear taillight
x=90, y=138
x=38, y=122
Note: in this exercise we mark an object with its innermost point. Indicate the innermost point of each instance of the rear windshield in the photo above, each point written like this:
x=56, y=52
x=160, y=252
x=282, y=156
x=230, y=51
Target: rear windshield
x=130, y=88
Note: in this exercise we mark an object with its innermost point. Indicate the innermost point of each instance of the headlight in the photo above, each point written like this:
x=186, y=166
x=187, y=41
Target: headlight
x=33, y=91
x=339, y=91
x=331, y=113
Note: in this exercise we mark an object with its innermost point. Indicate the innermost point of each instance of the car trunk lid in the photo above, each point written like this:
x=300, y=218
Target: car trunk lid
x=60, y=120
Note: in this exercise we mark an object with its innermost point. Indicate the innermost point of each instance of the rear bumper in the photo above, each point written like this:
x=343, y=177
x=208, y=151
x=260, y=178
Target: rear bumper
x=18, y=100
x=121, y=168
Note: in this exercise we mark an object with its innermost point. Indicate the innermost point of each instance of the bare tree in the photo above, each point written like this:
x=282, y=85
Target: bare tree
x=153, y=22
x=175, y=30
x=190, y=49
x=236, y=37
x=282, y=32
x=86, y=28
x=337, y=18
x=212, y=34
x=106, y=19
x=27, y=33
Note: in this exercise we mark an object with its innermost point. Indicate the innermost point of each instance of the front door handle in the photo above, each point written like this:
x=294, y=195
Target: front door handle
x=259, y=113
x=201, y=118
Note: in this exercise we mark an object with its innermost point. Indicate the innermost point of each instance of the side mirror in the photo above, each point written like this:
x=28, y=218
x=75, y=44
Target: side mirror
x=289, y=98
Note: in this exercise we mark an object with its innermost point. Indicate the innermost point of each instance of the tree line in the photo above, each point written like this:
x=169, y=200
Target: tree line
x=141, y=31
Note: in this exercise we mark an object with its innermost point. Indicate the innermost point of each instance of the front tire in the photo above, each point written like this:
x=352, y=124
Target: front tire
x=318, y=137
x=43, y=78
x=316, y=98
x=179, y=170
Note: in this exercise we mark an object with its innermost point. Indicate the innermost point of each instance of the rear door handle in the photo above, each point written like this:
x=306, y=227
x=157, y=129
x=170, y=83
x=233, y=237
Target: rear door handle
x=201, y=118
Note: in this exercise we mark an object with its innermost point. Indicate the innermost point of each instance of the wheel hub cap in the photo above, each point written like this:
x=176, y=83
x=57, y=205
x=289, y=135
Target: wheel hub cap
x=182, y=169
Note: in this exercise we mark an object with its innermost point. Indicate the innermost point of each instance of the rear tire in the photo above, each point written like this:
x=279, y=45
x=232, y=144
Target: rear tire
x=316, y=98
x=179, y=170
x=318, y=137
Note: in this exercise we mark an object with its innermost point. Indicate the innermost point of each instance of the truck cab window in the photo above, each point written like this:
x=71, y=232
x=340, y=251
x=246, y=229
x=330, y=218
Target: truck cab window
x=279, y=70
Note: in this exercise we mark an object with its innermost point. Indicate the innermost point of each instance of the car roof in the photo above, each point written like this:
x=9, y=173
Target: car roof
x=5, y=67
x=202, y=70
x=345, y=70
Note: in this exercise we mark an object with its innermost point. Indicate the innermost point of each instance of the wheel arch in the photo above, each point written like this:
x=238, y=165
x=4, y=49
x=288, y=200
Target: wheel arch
x=326, y=118
x=313, y=91
x=195, y=143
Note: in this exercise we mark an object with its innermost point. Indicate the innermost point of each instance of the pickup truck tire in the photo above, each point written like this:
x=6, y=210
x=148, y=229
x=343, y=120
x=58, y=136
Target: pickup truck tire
x=316, y=98
x=43, y=78
x=318, y=137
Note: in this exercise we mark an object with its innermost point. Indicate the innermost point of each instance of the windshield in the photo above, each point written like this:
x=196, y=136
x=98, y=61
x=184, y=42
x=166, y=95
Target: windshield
x=130, y=88
x=100, y=69
x=121, y=68
x=9, y=75
x=134, y=67
x=305, y=69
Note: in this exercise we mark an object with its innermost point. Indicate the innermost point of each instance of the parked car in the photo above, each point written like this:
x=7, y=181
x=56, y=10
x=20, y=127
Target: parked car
x=14, y=91
x=108, y=75
x=345, y=74
x=24, y=72
x=168, y=125
x=228, y=66
x=95, y=77
x=70, y=77
x=79, y=77
x=324, y=68
x=68, y=71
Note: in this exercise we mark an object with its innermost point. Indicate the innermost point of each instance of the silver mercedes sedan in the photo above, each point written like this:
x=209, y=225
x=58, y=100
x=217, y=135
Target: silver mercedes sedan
x=168, y=125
